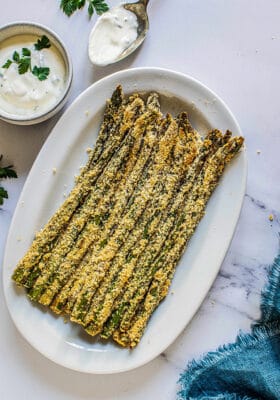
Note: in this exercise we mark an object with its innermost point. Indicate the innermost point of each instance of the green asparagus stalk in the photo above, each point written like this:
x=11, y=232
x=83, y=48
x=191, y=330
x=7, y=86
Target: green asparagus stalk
x=67, y=239
x=127, y=185
x=111, y=121
x=143, y=270
x=129, y=219
x=140, y=172
x=116, y=214
x=92, y=229
x=185, y=150
x=148, y=270
x=45, y=238
x=192, y=214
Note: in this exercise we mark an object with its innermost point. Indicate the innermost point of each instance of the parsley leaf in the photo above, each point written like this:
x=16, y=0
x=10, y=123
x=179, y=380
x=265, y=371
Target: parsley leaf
x=24, y=65
x=100, y=6
x=43, y=43
x=81, y=4
x=25, y=52
x=5, y=172
x=24, y=61
x=7, y=64
x=90, y=9
x=16, y=56
x=70, y=6
x=41, y=72
x=3, y=195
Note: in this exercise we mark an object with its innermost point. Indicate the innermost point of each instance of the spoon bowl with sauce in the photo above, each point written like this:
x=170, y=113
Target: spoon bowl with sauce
x=118, y=33
x=35, y=73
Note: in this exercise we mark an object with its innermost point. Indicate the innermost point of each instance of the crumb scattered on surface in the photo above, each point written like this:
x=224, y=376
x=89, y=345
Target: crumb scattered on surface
x=88, y=150
x=270, y=217
x=54, y=171
x=64, y=195
x=258, y=152
x=86, y=113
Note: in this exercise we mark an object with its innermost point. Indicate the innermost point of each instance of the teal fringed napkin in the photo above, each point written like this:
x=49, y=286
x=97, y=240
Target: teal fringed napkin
x=248, y=369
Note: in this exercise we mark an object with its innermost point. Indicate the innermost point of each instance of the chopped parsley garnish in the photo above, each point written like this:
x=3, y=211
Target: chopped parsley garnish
x=41, y=72
x=7, y=64
x=43, y=43
x=23, y=61
x=24, y=65
x=16, y=56
x=26, y=52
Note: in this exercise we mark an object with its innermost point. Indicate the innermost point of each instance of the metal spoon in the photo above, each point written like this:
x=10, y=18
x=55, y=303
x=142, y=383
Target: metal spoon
x=99, y=49
x=140, y=10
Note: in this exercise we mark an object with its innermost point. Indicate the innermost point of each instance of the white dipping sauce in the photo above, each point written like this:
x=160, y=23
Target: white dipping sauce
x=113, y=33
x=25, y=94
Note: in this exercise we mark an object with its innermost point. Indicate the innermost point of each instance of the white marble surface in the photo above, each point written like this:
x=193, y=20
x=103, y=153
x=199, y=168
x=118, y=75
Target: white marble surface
x=233, y=47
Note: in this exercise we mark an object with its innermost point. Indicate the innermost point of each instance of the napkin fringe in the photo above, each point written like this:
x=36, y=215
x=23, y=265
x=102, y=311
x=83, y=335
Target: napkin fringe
x=243, y=342
x=269, y=310
x=267, y=327
x=225, y=396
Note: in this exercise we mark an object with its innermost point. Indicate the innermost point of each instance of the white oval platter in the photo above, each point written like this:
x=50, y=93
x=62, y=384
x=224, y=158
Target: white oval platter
x=44, y=191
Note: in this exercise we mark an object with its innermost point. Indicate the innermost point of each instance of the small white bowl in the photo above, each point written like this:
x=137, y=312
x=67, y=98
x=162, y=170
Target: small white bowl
x=20, y=28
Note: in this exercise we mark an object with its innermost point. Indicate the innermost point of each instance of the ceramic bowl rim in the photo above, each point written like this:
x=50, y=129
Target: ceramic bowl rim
x=23, y=120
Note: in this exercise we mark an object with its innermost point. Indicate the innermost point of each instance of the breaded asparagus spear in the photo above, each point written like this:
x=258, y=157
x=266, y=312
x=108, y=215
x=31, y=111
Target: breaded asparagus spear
x=58, y=277
x=55, y=278
x=129, y=219
x=111, y=121
x=192, y=214
x=185, y=150
x=137, y=179
x=44, y=239
x=143, y=272
x=148, y=271
x=70, y=291
x=67, y=238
